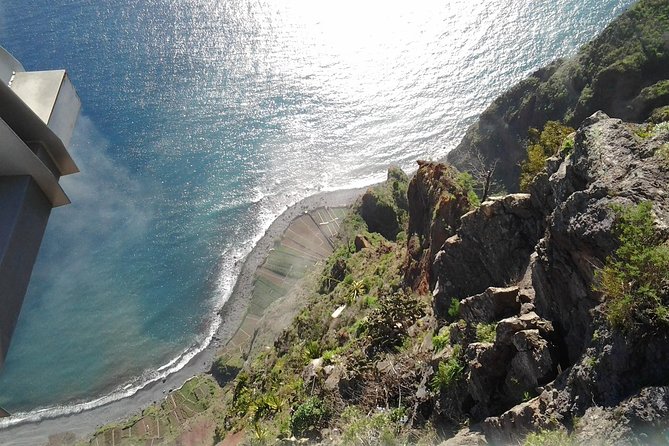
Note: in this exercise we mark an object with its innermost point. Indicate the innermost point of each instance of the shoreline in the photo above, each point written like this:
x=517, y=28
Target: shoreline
x=232, y=313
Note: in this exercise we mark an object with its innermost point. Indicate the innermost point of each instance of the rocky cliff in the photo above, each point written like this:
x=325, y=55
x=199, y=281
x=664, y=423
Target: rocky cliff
x=624, y=72
x=479, y=323
x=441, y=319
x=553, y=344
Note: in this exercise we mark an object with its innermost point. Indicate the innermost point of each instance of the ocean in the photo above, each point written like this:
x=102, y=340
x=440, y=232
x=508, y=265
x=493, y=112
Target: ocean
x=202, y=121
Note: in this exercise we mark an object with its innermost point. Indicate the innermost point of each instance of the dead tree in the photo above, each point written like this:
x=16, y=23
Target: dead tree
x=483, y=173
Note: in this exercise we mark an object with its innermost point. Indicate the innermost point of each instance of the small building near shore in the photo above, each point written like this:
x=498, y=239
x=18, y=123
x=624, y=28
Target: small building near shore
x=38, y=111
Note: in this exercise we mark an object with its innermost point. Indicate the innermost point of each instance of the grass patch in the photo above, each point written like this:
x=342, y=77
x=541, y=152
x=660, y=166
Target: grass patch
x=548, y=438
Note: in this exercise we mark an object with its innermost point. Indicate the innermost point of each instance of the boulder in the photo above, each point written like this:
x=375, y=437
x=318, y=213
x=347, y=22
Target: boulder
x=533, y=365
x=361, y=242
x=507, y=328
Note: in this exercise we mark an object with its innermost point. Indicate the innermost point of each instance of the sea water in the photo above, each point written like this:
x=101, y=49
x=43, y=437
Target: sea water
x=203, y=120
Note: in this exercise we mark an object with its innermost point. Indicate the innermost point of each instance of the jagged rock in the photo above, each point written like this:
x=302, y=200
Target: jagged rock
x=436, y=203
x=609, y=164
x=527, y=308
x=643, y=418
x=361, y=242
x=640, y=419
x=492, y=245
x=312, y=369
x=533, y=365
x=616, y=365
x=513, y=425
x=335, y=375
x=490, y=306
x=507, y=328
x=462, y=333
x=487, y=369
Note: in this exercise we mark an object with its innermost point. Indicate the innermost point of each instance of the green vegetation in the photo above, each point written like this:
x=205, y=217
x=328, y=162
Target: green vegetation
x=308, y=416
x=384, y=208
x=449, y=372
x=282, y=393
x=549, y=438
x=541, y=146
x=454, y=308
x=635, y=278
x=467, y=183
x=660, y=114
x=439, y=342
x=485, y=332
x=381, y=428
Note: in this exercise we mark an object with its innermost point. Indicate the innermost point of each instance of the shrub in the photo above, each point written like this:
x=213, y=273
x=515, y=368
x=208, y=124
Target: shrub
x=312, y=350
x=448, y=372
x=485, y=332
x=441, y=341
x=454, y=308
x=540, y=147
x=308, y=416
x=635, y=278
x=389, y=323
x=466, y=181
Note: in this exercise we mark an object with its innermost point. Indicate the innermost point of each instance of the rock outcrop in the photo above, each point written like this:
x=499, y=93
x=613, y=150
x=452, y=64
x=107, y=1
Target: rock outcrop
x=545, y=247
x=491, y=248
x=436, y=202
x=384, y=208
x=610, y=164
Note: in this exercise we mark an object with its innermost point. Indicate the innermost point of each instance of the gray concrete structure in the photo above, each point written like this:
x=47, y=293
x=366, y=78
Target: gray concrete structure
x=38, y=111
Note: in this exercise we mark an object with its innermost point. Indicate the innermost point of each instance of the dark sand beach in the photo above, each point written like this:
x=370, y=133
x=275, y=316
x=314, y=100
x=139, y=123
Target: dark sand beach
x=233, y=313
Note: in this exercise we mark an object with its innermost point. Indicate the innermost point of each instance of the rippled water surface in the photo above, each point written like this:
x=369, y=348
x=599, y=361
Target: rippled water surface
x=202, y=120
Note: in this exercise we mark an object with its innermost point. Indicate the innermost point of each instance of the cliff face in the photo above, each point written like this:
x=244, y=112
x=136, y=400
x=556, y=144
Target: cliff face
x=481, y=316
x=436, y=201
x=624, y=72
x=545, y=248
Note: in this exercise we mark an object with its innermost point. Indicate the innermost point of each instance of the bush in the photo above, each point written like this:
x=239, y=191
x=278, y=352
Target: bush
x=466, y=182
x=454, y=308
x=635, y=279
x=389, y=323
x=441, y=341
x=485, y=332
x=540, y=147
x=308, y=416
x=448, y=372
